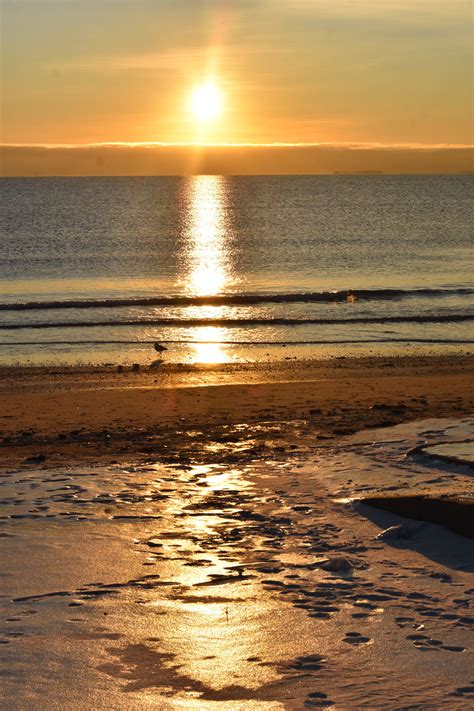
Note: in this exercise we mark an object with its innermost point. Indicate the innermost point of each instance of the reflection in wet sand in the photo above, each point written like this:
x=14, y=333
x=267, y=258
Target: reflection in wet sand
x=236, y=608
x=205, y=351
x=218, y=622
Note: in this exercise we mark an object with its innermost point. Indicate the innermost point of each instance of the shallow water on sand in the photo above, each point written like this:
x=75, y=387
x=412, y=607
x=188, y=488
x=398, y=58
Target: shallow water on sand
x=461, y=452
x=219, y=584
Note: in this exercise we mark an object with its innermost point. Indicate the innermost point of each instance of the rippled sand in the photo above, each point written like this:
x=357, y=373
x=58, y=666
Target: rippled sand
x=219, y=585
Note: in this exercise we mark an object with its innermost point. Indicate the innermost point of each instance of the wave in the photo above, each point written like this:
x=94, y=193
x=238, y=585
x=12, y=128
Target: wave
x=240, y=299
x=242, y=322
x=178, y=342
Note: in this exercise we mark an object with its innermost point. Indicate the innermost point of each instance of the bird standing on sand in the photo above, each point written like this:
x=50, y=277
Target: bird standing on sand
x=159, y=348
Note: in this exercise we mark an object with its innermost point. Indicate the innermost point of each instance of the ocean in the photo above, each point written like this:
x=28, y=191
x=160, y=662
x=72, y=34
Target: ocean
x=217, y=269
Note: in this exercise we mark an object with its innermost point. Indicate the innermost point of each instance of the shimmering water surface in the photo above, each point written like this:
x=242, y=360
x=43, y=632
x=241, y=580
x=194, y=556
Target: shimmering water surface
x=223, y=268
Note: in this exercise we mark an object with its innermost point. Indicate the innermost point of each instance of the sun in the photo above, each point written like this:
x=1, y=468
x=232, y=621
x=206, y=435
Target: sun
x=206, y=102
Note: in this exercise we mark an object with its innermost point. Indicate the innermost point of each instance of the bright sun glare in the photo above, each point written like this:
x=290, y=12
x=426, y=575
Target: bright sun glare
x=206, y=102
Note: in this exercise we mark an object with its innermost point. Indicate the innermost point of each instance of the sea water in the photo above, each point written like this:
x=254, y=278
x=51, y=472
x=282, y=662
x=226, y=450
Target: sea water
x=234, y=268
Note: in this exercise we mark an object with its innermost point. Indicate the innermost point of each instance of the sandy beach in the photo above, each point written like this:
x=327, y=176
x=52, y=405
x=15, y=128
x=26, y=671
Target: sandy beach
x=191, y=538
x=100, y=412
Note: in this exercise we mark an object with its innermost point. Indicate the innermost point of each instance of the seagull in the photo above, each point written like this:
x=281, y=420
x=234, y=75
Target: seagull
x=159, y=348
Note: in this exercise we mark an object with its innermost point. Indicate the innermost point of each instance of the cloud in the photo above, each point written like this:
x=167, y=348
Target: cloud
x=401, y=10
x=232, y=159
x=169, y=60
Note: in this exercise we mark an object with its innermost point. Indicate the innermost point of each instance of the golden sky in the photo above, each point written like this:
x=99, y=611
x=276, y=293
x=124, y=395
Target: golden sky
x=371, y=72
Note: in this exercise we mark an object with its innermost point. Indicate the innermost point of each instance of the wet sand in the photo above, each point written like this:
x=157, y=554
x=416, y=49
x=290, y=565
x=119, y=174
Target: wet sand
x=180, y=547
x=100, y=413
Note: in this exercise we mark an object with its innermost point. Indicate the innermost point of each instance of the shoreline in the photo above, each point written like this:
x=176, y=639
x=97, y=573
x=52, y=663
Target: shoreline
x=98, y=413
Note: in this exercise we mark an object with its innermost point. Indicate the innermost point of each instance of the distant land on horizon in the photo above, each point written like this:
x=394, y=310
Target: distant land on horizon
x=269, y=159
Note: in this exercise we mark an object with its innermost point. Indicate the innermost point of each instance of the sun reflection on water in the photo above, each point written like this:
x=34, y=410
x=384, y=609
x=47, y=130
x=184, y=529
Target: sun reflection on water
x=208, y=259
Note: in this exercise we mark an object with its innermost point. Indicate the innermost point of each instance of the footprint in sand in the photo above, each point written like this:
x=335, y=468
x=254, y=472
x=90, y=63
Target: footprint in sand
x=425, y=643
x=319, y=700
x=464, y=691
x=356, y=638
x=312, y=662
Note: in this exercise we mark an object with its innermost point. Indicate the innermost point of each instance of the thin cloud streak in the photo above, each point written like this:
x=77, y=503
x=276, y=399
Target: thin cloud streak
x=151, y=159
x=399, y=10
x=176, y=59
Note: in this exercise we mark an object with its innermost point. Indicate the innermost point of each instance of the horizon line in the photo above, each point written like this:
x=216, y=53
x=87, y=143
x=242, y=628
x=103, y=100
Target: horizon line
x=354, y=145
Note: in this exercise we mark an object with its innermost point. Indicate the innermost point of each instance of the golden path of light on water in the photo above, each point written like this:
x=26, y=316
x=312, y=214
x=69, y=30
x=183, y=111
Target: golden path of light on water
x=207, y=257
x=207, y=234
